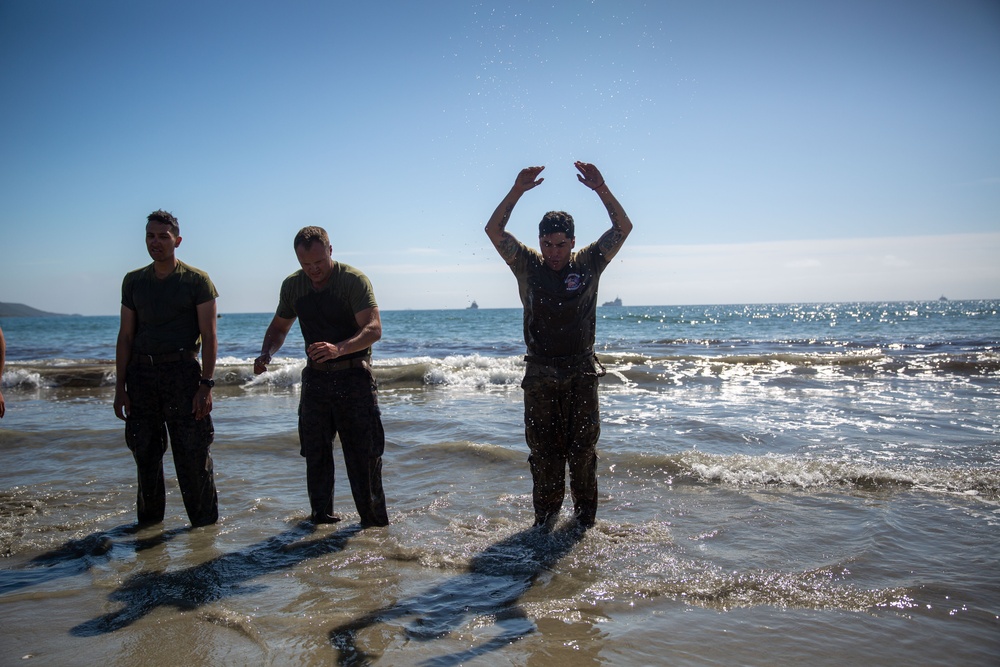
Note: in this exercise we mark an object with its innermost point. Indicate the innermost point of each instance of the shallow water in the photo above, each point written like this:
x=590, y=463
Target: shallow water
x=828, y=504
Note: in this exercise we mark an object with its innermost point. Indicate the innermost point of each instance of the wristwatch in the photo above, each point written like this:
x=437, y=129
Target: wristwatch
x=208, y=382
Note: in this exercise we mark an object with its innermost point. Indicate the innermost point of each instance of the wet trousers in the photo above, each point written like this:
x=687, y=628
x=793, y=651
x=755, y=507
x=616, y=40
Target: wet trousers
x=561, y=426
x=161, y=397
x=343, y=403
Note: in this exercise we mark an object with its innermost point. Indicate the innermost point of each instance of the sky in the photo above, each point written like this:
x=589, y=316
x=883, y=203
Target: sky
x=765, y=150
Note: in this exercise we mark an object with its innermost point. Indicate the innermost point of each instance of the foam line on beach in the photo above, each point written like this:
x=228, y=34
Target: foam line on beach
x=480, y=371
x=740, y=470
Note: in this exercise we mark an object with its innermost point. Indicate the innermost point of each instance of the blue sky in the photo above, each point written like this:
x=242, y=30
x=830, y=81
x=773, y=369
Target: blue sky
x=765, y=151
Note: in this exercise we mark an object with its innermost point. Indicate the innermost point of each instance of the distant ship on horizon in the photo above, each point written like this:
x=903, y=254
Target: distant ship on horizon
x=616, y=302
x=473, y=306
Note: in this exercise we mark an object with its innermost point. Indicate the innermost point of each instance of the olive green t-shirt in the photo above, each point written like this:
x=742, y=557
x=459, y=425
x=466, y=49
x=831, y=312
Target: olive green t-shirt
x=167, y=310
x=560, y=307
x=327, y=314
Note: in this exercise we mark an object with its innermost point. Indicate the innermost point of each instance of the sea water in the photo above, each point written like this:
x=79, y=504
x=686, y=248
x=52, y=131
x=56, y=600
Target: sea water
x=780, y=484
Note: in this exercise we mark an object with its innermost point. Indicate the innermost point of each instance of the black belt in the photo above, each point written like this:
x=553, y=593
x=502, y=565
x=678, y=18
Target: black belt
x=572, y=361
x=343, y=364
x=167, y=358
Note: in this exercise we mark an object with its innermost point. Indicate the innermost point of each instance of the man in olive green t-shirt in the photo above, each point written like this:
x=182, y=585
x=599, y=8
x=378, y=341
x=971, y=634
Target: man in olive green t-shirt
x=558, y=289
x=339, y=318
x=168, y=312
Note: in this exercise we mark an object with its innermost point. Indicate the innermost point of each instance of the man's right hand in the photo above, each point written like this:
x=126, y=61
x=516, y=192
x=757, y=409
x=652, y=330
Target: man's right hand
x=260, y=364
x=528, y=178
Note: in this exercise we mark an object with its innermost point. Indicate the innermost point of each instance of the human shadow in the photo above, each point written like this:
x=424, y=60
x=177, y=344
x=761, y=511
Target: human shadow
x=78, y=556
x=216, y=579
x=493, y=585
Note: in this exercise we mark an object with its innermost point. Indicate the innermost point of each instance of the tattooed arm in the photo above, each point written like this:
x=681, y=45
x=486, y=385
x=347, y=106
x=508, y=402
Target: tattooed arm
x=502, y=240
x=611, y=242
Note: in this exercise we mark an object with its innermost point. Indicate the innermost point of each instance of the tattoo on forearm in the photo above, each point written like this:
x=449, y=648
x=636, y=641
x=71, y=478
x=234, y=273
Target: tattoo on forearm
x=611, y=240
x=506, y=216
x=613, y=214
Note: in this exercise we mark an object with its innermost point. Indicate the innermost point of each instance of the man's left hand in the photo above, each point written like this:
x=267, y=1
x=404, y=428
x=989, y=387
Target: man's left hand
x=320, y=352
x=202, y=405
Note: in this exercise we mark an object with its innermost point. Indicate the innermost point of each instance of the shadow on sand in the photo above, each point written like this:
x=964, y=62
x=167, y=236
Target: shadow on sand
x=80, y=555
x=215, y=579
x=493, y=585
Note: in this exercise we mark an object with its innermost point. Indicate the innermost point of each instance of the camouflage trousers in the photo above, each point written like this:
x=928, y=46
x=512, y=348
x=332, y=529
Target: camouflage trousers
x=562, y=424
x=161, y=398
x=343, y=403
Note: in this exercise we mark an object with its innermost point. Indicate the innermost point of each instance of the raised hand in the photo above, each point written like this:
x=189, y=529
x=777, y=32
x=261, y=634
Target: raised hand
x=589, y=175
x=528, y=178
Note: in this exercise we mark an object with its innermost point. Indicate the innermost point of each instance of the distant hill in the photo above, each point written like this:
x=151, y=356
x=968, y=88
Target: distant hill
x=21, y=310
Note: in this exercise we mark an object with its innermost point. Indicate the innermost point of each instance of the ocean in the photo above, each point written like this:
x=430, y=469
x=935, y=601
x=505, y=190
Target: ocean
x=780, y=484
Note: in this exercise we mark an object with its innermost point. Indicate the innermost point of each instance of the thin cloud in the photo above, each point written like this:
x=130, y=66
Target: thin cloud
x=804, y=263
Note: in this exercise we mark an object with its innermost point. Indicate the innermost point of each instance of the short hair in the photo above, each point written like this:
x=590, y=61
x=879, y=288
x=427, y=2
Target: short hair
x=309, y=235
x=556, y=221
x=162, y=217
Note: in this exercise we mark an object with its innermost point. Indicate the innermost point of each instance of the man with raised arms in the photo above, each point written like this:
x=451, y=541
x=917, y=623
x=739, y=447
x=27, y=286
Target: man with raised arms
x=558, y=289
x=339, y=318
x=167, y=314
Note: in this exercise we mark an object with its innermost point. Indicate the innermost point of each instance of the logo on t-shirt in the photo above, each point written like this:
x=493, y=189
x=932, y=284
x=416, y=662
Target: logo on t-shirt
x=573, y=282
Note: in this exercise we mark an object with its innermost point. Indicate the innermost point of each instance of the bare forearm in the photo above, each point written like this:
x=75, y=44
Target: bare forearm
x=123, y=354
x=503, y=241
x=368, y=333
x=362, y=340
x=209, y=354
x=496, y=228
x=501, y=215
x=208, y=328
x=612, y=240
x=274, y=338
